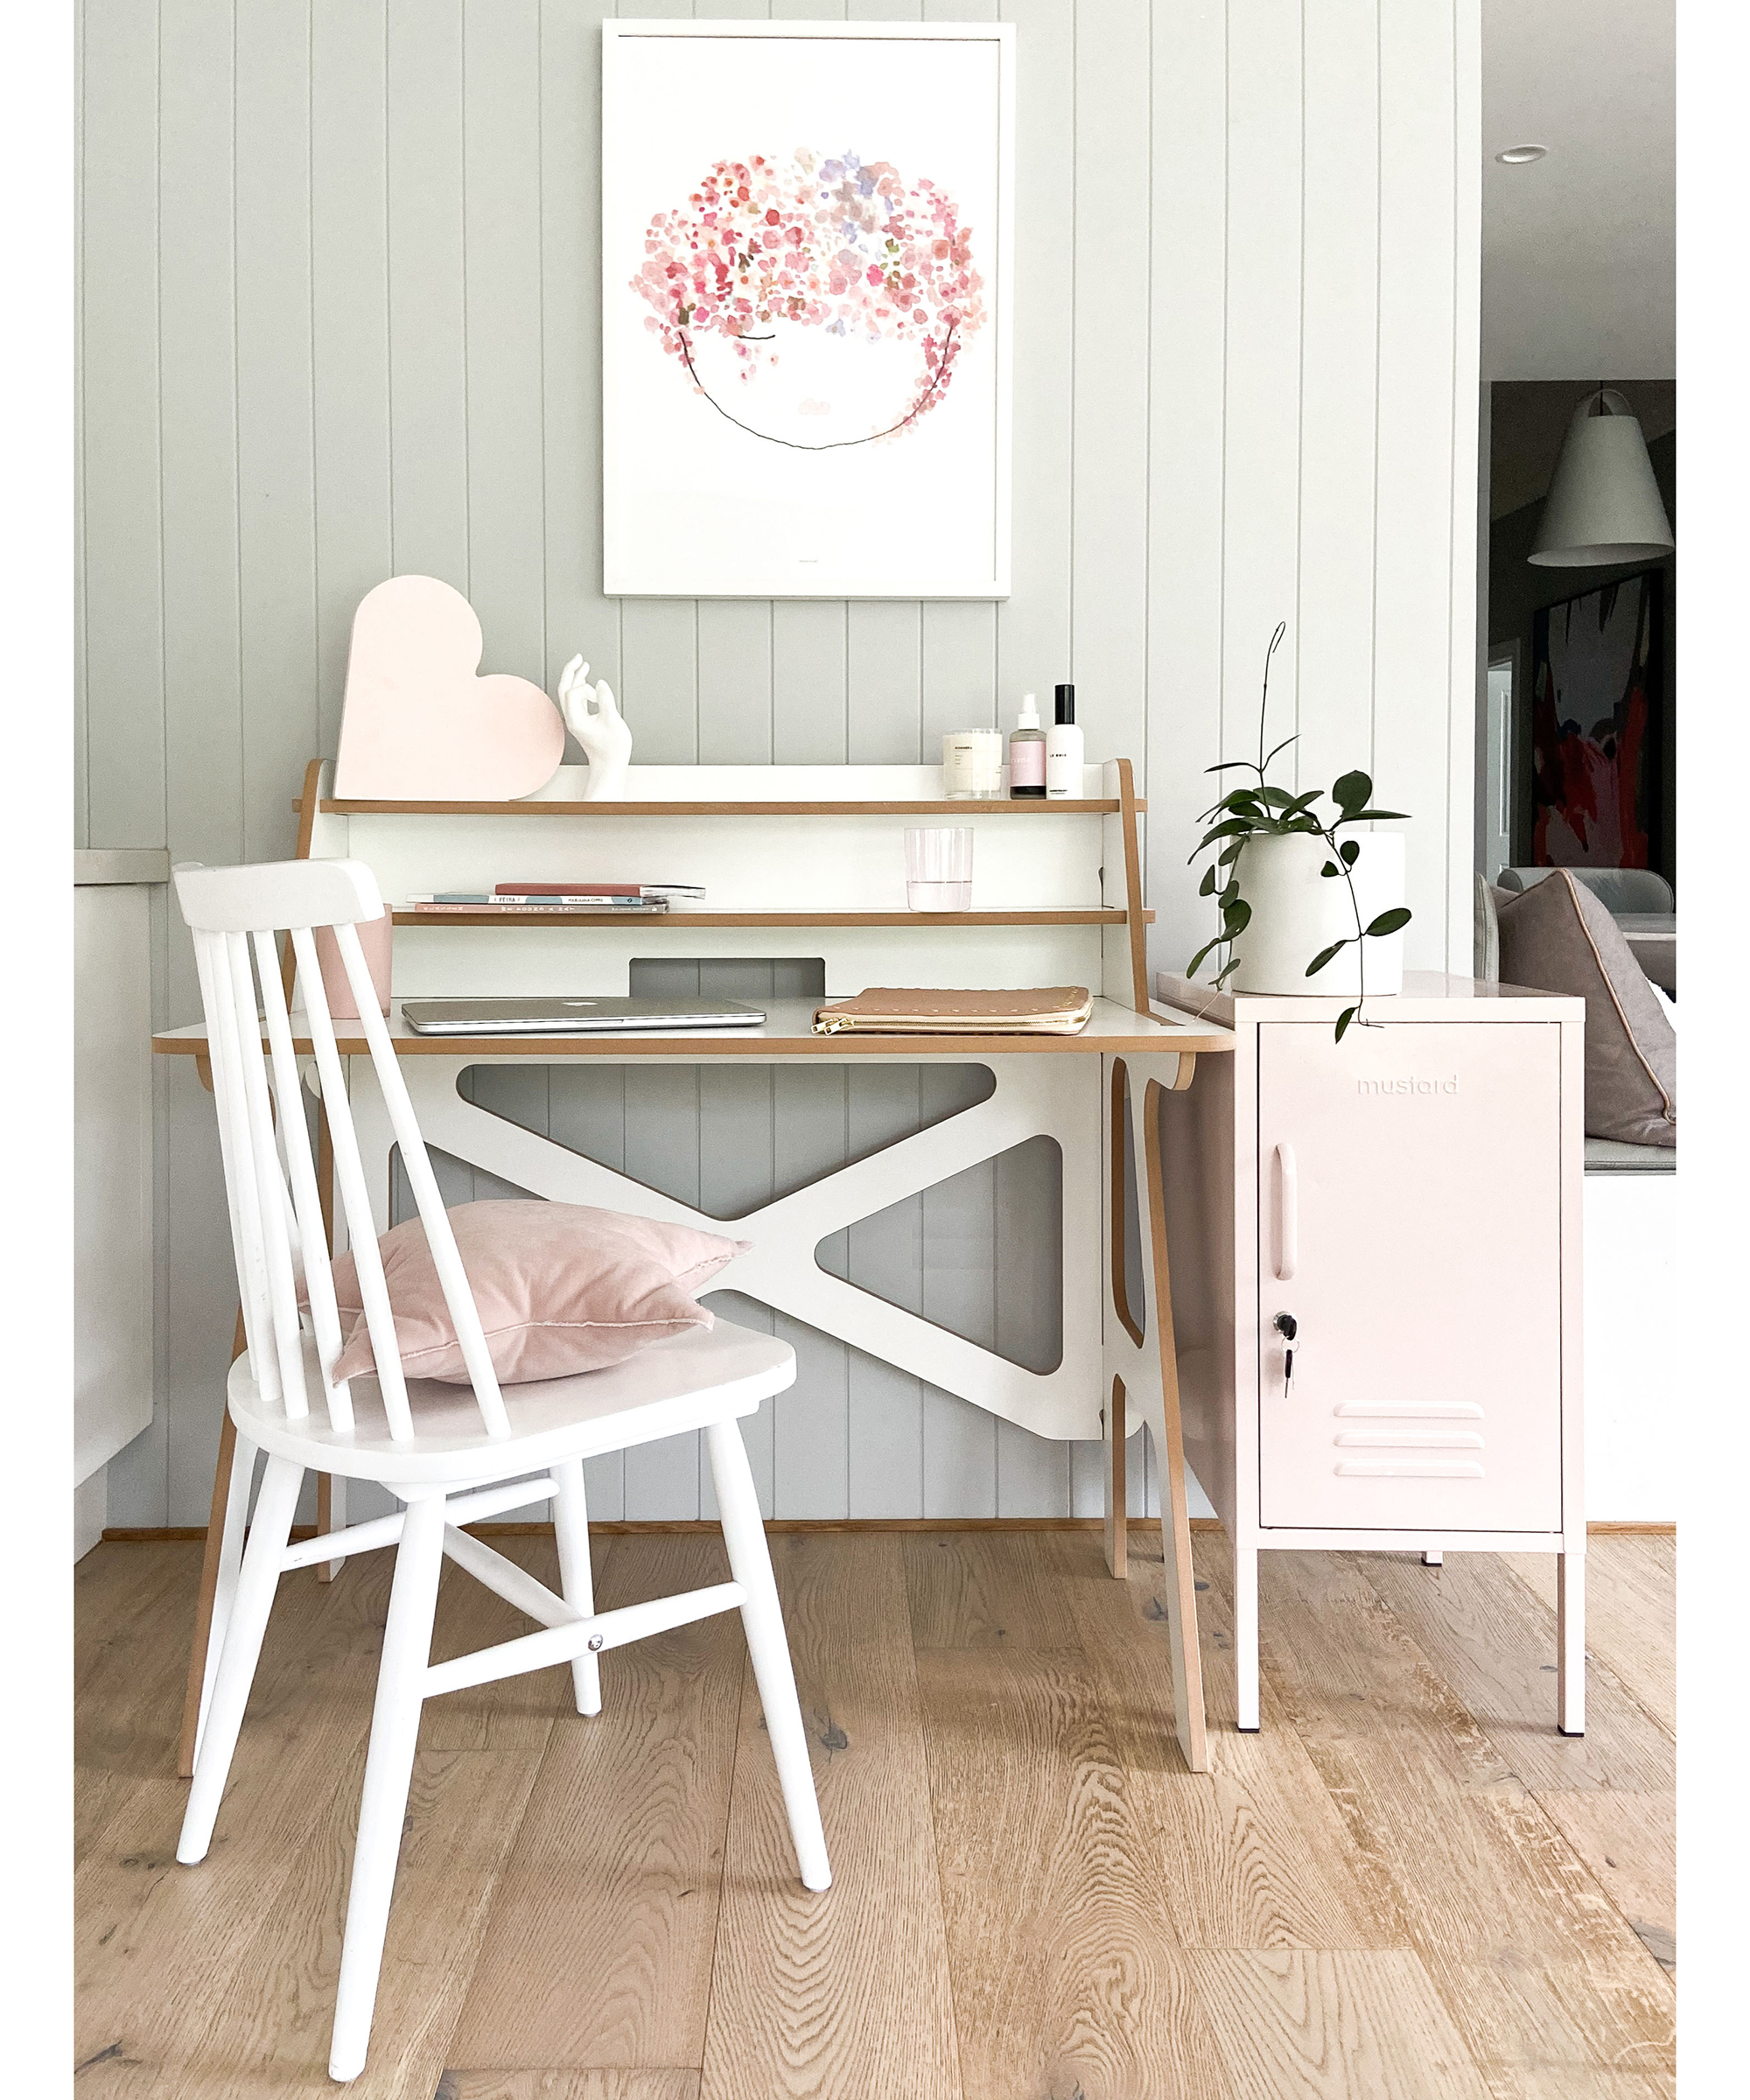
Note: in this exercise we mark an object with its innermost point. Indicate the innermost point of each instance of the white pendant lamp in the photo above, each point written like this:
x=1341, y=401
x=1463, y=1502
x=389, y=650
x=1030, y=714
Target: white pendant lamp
x=1604, y=506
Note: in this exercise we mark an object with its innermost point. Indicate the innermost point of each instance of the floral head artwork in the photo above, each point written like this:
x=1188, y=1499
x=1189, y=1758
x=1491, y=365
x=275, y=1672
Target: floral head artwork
x=765, y=249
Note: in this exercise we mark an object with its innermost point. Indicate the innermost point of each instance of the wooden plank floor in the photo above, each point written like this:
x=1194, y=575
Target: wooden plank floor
x=1406, y=1886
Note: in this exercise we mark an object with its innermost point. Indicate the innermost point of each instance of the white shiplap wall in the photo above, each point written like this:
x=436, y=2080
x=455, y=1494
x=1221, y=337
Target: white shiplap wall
x=339, y=320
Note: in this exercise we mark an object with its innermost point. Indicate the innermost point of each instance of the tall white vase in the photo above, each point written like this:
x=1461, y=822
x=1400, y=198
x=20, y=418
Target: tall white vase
x=1297, y=913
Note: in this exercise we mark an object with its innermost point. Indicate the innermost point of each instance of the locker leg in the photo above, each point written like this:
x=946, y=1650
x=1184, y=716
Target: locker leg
x=1246, y=1634
x=1433, y=1560
x=1570, y=1642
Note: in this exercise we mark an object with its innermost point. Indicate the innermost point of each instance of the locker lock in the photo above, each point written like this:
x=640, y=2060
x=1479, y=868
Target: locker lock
x=1288, y=1328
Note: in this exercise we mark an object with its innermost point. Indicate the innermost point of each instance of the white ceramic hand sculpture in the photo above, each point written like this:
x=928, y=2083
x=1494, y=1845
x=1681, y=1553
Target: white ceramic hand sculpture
x=593, y=719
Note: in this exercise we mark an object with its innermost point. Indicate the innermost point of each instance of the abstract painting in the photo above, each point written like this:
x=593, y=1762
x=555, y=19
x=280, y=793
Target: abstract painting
x=805, y=335
x=1596, y=662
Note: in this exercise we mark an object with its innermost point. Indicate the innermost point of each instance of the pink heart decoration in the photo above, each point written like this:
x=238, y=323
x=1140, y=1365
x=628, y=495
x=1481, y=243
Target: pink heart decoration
x=420, y=725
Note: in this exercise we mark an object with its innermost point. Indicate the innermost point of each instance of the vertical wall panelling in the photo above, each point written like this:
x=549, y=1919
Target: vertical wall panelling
x=1339, y=369
x=427, y=291
x=340, y=315
x=349, y=328
x=809, y=1135
x=500, y=180
x=81, y=779
x=1110, y=292
x=276, y=515
x=1032, y=623
x=1469, y=629
x=1187, y=422
x=203, y=730
x=958, y=1225
x=119, y=382
x=579, y=619
x=884, y=674
x=884, y=1406
x=810, y=650
x=1261, y=467
x=735, y=683
x=1414, y=550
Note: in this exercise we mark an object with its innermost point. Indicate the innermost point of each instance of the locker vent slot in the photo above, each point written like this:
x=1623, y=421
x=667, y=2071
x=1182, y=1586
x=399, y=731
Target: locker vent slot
x=1412, y=1410
x=1452, y=1439
x=1411, y=1469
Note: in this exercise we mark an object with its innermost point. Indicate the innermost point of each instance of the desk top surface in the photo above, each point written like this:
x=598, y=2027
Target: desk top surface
x=787, y=1032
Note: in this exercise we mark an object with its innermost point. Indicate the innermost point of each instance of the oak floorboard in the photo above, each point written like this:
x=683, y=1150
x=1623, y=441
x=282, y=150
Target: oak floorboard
x=270, y=2035
x=1494, y=1644
x=989, y=1589
x=847, y=1990
x=1550, y=2017
x=673, y=2083
x=134, y=1604
x=1067, y=1976
x=511, y=1713
x=1253, y=1852
x=1629, y=1843
x=157, y=1943
x=1343, y=1668
x=1295, y=2025
x=1534, y=1963
x=1631, y=1612
x=598, y=1953
x=1082, y=1886
x=1571, y=2082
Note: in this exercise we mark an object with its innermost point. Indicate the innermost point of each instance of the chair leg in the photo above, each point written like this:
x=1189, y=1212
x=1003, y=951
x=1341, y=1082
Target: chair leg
x=745, y=1536
x=242, y=1475
x=388, y=1768
x=257, y=1583
x=571, y=1528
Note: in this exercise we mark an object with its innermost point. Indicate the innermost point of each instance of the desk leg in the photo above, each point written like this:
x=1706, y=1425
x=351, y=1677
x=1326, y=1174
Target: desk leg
x=330, y=1489
x=1113, y=1425
x=1175, y=1518
x=209, y=1580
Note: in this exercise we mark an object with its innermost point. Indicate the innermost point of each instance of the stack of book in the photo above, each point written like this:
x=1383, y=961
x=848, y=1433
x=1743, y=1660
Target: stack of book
x=517, y=899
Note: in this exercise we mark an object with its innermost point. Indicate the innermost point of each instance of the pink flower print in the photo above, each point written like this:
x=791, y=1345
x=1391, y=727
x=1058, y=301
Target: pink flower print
x=827, y=241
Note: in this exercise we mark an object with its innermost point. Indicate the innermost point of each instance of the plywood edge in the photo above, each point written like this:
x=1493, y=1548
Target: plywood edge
x=996, y=805
x=550, y=1049
x=682, y=919
x=151, y=1534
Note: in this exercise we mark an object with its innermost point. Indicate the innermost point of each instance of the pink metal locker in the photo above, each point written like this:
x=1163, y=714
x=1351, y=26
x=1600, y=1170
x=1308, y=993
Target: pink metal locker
x=1375, y=1250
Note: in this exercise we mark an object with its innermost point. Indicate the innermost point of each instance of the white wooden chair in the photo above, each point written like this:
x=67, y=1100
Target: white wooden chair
x=451, y=1455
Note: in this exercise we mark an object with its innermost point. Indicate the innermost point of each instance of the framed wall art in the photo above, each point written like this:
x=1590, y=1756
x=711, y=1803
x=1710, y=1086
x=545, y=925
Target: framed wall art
x=1596, y=727
x=807, y=231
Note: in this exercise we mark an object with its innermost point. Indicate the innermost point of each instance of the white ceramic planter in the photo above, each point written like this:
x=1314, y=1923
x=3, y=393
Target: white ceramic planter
x=1296, y=912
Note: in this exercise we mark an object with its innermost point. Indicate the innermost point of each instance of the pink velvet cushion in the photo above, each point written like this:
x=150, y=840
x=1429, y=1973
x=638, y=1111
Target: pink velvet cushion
x=561, y=1289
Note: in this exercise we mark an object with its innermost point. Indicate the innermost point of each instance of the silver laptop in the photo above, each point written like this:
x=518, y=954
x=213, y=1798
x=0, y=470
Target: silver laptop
x=541, y=1014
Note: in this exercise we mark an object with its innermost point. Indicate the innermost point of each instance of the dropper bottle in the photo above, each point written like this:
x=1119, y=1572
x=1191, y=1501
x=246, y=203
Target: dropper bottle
x=1026, y=754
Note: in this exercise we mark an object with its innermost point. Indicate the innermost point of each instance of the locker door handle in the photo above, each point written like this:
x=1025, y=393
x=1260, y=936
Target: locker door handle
x=1288, y=1206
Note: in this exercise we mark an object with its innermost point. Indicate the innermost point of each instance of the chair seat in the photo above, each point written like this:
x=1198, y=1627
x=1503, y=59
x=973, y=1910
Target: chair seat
x=703, y=1375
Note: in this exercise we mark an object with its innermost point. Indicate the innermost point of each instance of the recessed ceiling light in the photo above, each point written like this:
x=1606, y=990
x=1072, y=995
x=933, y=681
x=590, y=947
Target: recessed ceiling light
x=1516, y=156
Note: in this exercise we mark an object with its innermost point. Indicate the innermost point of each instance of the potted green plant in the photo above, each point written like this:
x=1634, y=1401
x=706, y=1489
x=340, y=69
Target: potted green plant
x=1290, y=888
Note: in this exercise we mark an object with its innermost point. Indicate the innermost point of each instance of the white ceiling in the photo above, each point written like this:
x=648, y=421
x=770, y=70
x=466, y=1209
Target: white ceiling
x=1580, y=249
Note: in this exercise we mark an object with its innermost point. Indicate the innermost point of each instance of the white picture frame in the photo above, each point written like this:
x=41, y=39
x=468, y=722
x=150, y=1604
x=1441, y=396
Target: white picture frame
x=773, y=193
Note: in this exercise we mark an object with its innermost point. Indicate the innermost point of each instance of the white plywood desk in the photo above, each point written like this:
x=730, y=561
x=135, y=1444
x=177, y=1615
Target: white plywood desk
x=1061, y=889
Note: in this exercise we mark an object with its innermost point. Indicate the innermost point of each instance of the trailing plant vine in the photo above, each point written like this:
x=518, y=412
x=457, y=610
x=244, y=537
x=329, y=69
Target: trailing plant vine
x=1265, y=811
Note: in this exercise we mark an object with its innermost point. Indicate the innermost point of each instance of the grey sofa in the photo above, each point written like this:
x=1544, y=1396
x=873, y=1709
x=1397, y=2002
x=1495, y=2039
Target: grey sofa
x=1603, y=1155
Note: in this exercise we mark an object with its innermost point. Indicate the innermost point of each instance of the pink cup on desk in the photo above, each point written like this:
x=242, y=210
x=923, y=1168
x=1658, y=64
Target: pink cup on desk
x=376, y=937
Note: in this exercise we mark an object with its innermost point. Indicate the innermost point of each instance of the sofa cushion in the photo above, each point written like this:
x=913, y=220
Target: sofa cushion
x=561, y=1288
x=1556, y=936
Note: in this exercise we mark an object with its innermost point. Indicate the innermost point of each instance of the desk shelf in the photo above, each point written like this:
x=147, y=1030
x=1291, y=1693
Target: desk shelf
x=944, y=812
x=721, y=919
x=832, y=835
